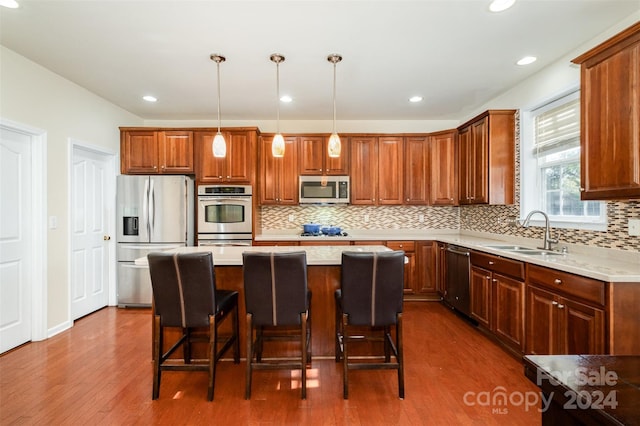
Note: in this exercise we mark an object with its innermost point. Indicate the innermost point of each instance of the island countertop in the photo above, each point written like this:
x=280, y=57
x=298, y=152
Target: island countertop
x=232, y=255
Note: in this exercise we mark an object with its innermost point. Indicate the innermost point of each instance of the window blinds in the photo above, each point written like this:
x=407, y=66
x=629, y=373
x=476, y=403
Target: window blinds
x=558, y=129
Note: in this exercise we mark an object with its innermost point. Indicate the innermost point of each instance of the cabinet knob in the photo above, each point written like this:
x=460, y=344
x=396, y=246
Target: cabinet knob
x=407, y=200
x=560, y=306
x=581, y=189
x=155, y=167
x=487, y=277
x=472, y=198
x=400, y=246
x=162, y=167
x=450, y=199
x=557, y=281
x=228, y=177
x=554, y=303
x=491, y=262
x=494, y=280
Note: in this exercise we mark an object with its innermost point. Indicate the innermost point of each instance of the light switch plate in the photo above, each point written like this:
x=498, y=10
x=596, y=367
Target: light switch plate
x=634, y=227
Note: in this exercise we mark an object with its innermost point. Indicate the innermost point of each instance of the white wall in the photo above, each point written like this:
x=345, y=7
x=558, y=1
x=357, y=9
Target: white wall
x=33, y=96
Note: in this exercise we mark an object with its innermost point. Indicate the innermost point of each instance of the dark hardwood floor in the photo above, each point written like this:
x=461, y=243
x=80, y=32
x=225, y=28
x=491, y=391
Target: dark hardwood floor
x=99, y=372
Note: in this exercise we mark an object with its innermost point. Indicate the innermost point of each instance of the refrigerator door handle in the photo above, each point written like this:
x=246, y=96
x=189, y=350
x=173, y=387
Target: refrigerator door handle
x=152, y=209
x=145, y=205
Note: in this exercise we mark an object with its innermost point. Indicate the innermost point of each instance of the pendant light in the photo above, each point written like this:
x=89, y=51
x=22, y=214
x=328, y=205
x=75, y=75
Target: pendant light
x=277, y=145
x=219, y=145
x=334, y=145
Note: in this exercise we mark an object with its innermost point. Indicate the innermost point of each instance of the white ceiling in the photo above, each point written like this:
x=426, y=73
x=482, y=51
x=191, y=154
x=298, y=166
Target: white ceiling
x=455, y=53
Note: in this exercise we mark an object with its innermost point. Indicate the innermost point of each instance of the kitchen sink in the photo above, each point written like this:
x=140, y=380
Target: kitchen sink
x=510, y=248
x=525, y=250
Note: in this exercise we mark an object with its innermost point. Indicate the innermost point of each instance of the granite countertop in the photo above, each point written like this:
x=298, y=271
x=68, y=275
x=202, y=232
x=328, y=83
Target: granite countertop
x=599, y=263
x=232, y=256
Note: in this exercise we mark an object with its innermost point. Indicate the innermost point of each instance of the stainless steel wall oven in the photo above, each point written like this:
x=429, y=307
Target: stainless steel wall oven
x=225, y=215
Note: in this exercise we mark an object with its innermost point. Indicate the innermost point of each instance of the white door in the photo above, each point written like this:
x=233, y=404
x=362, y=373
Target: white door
x=16, y=263
x=90, y=172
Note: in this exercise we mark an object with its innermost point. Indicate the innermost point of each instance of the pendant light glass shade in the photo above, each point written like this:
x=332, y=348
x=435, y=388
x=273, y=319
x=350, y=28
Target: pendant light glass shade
x=277, y=145
x=219, y=145
x=334, y=146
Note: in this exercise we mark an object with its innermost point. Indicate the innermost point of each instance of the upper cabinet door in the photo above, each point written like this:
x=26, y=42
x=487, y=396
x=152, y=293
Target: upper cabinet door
x=390, y=170
x=416, y=170
x=315, y=160
x=364, y=175
x=610, y=122
x=176, y=152
x=444, y=186
x=139, y=152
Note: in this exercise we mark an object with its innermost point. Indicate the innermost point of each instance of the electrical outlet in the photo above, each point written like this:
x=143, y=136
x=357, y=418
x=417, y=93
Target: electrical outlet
x=421, y=218
x=634, y=227
x=366, y=218
x=290, y=218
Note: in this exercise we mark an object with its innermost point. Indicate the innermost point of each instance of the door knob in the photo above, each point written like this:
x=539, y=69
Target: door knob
x=106, y=237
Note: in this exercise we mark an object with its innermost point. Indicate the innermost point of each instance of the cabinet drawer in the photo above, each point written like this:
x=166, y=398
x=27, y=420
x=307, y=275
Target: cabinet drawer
x=402, y=245
x=563, y=282
x=504, y=266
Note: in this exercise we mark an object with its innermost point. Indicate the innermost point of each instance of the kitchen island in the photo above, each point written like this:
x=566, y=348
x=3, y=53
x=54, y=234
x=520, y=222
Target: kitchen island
x=323, y=278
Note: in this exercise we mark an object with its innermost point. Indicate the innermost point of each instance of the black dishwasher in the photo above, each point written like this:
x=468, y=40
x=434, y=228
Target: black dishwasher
x=456, y=293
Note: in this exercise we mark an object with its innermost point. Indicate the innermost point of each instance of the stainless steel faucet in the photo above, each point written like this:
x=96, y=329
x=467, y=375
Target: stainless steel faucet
x=546, y=243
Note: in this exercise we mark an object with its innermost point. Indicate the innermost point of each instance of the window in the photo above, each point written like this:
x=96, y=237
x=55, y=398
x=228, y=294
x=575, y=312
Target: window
x=550, y=166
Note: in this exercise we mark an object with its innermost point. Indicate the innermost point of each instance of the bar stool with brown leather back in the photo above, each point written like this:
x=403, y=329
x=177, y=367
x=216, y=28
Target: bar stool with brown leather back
x=278, y=305
x=185, y=297
x=368, y=303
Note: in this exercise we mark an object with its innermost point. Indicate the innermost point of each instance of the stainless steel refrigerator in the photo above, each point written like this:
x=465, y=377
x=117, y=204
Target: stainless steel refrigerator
x=154, y=213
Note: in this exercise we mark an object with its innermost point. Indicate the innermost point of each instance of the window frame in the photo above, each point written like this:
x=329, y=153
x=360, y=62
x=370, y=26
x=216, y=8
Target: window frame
x=529, y=167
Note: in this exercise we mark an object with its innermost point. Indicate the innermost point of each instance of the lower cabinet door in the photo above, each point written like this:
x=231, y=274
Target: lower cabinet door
x=583, y=330
x=508, y=310
x=541, y=323
x=480, y=295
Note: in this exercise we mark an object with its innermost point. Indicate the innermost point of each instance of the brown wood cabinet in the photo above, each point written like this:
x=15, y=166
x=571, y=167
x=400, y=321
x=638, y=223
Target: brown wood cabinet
x=151, y=151
x=377, y=170
x=315, y=160
x=497, y=293
x=565, y=313
x=417, y=170
x=443, y=150
x=410, y=278
x=487, y=158
x=278, y=176
x=427, y=268
x=610, y=118
x=238, y=166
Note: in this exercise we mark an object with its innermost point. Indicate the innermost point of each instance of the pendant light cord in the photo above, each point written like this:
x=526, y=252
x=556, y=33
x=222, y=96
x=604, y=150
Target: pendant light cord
x=218, y=67
x=334, y=98
x=278, y=97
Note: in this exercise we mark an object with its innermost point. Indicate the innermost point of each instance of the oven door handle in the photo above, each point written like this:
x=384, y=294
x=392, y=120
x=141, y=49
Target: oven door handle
x=223, y=244
x=224, y=199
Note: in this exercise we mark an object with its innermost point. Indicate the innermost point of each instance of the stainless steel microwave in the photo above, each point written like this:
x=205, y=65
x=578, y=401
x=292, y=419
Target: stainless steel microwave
x=324, y=190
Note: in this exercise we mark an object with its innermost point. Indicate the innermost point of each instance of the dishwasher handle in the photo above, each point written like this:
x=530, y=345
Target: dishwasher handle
x=457, y=251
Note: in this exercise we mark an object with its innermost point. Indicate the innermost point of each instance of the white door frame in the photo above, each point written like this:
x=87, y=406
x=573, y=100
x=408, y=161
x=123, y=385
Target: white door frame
x=110, y=220
x=38, y=219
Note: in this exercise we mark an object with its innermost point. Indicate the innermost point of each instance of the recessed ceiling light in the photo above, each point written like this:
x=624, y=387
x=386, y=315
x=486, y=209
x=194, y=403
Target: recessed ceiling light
x=149, y=98
x=500, y=5
x=11, y=4
x=416, y=99
x=527, y=60
x=286, y=99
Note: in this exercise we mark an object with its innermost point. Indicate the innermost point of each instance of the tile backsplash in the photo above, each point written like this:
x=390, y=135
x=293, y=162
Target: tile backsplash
x=493, y=219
